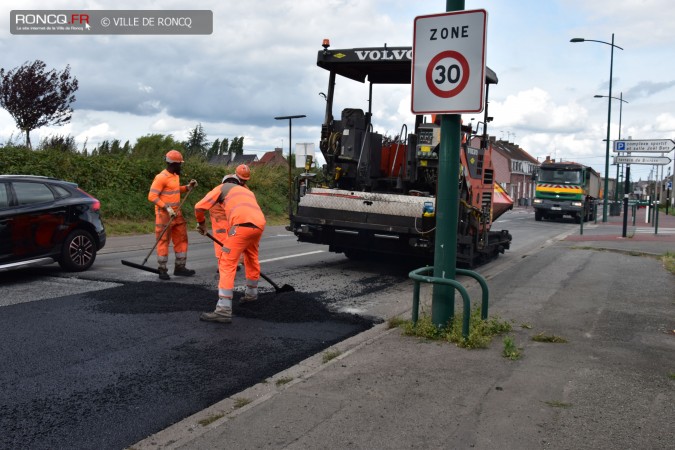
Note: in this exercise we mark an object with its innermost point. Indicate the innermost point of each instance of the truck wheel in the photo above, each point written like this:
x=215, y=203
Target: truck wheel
x=538, y=216
x=577, y=218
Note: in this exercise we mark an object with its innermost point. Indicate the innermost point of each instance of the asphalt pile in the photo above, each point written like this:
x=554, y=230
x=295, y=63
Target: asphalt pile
x=162, y=297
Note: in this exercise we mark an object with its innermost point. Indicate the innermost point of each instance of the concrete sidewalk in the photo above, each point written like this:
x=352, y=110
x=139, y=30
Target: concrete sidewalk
x=611, y=385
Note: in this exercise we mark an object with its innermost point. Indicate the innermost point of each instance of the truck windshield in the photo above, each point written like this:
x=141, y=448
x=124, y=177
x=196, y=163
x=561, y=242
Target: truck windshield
x=560, y=176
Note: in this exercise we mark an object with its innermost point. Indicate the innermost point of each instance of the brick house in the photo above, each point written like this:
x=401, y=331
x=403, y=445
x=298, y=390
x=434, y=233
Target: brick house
x=273, y=158
x=521, y=167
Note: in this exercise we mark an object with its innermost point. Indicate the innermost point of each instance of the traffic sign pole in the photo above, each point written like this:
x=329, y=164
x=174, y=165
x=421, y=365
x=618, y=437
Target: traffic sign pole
x=445, y=250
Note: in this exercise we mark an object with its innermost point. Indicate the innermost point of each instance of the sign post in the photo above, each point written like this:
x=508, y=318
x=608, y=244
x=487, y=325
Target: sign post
x=448, y=78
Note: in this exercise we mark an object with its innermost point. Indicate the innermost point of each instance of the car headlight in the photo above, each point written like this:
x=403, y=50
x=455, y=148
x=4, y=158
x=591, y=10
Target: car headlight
x=579, y=204
x=537, y=200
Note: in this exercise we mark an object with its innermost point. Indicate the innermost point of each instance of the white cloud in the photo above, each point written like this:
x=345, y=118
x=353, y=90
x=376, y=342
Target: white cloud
x=260, y=62
x=536, y=110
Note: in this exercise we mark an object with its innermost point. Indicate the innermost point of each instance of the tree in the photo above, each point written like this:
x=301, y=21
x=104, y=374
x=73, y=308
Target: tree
x=213, y=151
x=237, y=146
x=224, y=147
x=58, y=142
x=35, y=97
x=196, y=143
x=155, y=146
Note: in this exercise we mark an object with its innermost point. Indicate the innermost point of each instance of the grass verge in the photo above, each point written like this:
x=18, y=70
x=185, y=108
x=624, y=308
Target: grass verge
x=330, y=355
x=128, y=227
x=558, y=404
x=669, y=262
x=480, y=335
x=211, y=419
x=241, y=402
x=282, y=381
x=541, y=337
x=510, y=350
x=395, y=322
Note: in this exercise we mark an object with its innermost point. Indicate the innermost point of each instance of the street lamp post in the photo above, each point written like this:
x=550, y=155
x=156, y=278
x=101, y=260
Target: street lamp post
x=609, y=118
x=290, y=176
x=620, y=98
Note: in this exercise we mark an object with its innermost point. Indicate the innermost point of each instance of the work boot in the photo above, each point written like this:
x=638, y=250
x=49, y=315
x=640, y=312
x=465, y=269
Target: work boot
x=221, y=314
x=251, y=292
x=249, y=298
x=182, y=271
x=164, y=274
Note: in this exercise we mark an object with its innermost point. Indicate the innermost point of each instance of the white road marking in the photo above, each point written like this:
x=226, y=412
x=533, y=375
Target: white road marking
x=291, y=256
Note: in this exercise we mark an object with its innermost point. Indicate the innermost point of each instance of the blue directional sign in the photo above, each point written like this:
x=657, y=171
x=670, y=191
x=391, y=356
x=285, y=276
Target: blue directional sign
x=646, y=146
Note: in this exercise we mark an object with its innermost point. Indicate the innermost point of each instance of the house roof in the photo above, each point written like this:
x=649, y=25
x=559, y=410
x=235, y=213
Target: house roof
x=274, y=157
x=220, y=160
x=225, y=160
x=513, y=151
x=244, y=159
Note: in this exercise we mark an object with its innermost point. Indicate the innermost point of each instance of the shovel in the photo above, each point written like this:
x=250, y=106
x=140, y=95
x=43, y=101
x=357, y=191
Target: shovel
x=142, y=266
x=277, y=289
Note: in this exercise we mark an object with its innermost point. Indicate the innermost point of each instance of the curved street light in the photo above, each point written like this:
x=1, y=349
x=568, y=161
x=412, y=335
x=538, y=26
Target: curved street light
x=609, y=118
x=620, y=98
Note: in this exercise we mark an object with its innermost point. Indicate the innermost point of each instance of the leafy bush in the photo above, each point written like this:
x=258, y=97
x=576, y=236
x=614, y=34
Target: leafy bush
x=121, y=182
x=480, y=331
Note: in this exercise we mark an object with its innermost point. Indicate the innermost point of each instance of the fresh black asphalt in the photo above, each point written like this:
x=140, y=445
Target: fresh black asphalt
x=107, y=368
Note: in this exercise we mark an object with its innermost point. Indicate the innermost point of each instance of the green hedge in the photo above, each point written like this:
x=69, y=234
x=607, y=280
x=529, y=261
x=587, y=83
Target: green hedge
x=121, y=183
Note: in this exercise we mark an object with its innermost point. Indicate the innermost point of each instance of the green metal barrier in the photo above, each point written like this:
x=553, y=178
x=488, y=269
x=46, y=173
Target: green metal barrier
x=419, y=276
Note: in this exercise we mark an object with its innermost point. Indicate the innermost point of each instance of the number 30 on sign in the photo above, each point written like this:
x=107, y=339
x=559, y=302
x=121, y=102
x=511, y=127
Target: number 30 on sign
x=449, y=62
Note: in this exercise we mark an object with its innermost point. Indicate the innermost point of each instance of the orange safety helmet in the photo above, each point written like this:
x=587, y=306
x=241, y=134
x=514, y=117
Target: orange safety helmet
x=174, y=156
x=243, y=172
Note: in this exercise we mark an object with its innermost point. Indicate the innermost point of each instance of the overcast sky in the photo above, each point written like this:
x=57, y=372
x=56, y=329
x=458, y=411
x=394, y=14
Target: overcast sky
x=260, y=62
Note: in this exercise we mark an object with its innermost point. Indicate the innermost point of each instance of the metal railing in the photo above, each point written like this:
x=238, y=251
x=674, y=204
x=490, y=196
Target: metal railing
x=419, y=276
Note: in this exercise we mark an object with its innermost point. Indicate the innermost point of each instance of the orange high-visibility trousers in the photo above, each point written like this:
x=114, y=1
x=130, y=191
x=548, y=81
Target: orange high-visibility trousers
x=240, y=240
x=177, y=233
x=218, y=226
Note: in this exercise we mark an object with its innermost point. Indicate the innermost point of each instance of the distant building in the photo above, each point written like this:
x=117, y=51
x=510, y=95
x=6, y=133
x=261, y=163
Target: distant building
x=235, y=160
x=273, y=158
x=521, y=166
x=220, y=160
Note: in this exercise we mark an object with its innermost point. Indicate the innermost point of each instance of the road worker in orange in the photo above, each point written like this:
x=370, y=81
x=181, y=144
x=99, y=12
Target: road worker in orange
x=218, y=219
x=245, y=223
x=165, y=194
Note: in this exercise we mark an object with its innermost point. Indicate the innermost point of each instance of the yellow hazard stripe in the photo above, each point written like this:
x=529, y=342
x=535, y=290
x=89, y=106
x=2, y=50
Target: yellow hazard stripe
x=560, y=190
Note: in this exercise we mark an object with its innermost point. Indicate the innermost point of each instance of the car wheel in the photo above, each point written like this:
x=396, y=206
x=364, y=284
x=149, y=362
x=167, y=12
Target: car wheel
x=78, y=252
x=538, y=216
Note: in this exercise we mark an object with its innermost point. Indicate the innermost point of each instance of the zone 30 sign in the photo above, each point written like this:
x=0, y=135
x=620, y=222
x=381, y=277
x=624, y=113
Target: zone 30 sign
x=449, y=62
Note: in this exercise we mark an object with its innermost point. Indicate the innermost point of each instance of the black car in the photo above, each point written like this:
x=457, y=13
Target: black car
x=43, y=220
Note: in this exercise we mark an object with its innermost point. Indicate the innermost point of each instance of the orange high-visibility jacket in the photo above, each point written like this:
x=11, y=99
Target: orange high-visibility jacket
x=238, y=202
x=165, y=191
